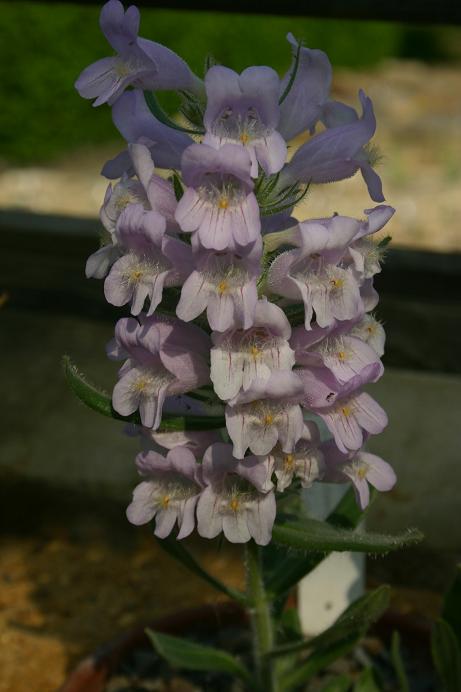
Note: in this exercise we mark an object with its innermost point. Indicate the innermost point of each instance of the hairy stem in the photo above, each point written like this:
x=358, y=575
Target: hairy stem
x=261, y=618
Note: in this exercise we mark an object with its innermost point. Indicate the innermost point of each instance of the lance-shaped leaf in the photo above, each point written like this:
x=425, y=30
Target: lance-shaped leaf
x=319, y=536
x=99, y=401
x=447, y=656
x=284, y=568
x=177, y=550
x=353, y=622
x=338, y=639
x=181, y=653
x=397, y=662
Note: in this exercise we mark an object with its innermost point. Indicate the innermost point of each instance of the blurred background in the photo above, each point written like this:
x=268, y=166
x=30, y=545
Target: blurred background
x=72, y=571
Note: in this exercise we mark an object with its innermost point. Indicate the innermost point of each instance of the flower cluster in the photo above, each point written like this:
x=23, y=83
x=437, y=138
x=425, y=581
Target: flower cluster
x=284, y=340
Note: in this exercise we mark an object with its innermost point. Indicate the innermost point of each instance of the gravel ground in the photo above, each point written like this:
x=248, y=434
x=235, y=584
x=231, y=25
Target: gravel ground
x=418, y=109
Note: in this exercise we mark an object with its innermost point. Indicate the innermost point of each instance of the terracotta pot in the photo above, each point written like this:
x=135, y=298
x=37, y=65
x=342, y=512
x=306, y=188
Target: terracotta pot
x=92, y=674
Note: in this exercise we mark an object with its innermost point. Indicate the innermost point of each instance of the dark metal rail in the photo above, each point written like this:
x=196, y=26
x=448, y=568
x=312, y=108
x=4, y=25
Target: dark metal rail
x=412, y=11
x=42, y=260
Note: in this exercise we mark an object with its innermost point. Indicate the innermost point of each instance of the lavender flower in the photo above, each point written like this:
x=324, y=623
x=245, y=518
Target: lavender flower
x=266, y=413
x=348, y=412
x=218, y=203
x=238, y=498
x=313, y=271
x=303, y=105
x=138, y=62
x=224, y=285
x=361, y=468
x=245, y=109
x=338, y=153
x=240, y=356
x=341, y=353
x=136, y=124
x=150, y=260
x=164, y=358
x=169, y=492
x=372, y=332
x=305, y=462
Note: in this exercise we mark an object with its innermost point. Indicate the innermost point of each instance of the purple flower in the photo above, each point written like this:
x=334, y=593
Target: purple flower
x=164, y=358
x=138, y=62
x=151, y=260
x=197, y=441
x=305, y=462
x=238, y=498
x=348, y=412
x=302, y=107
x=372, y=332
x=365, y=252
x=218, y=203
x=169, y=492
x=225, y=286
x=338, y=153
x=361, y=468
x=266, y=413
x=136, y=123
x=343, y=354
x=240, y=356
x=312, y=272
x=244, y=109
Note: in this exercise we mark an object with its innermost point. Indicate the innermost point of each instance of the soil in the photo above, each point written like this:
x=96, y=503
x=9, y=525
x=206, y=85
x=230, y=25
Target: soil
x=74, y=574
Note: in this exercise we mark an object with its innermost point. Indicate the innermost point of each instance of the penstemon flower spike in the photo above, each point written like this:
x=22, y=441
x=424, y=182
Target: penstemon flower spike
x=240, y=313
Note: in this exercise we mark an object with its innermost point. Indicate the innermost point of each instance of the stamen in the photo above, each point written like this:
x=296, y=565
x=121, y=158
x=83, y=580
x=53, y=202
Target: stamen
x=222, y=287
x=234, y=504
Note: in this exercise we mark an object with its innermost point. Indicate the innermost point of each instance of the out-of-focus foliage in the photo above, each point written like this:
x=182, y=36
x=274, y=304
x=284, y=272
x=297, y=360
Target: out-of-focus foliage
x=44, y=46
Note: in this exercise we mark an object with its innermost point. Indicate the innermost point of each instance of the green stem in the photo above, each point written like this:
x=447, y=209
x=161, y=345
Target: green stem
x=261, y=618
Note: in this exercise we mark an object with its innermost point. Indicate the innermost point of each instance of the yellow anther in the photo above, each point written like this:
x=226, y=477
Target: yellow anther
x=234, y=504
x=222, y=287
x=268, y=419
x=165, y=501
x=362, y=472
x=346, y=411
x=371, y=328
x=141, y=384
x=136, y=274
x=288, y=461
x=244, y=137
x=223, y=202
x=336, y=283
x=255, y=351
x=341, y=355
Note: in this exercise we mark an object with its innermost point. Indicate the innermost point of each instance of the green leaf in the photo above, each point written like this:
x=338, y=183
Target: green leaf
x=317, y=662
x=181, y=653
x=160, y=114
x=320, y=536
x=353, y=623
x=340, y=684
x=366, y=682
x=176, y=550
x=284, y=568
x=99, y=401
x=447, y=656
x=451, y=611
x=397, y=662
